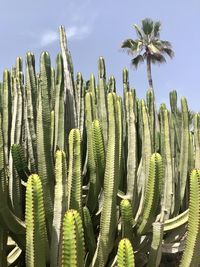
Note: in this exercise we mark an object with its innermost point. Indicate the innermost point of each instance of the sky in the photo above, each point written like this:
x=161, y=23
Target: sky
x=97, y=28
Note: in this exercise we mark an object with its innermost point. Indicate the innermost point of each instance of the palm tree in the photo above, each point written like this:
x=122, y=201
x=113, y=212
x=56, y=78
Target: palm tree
x=148, y=47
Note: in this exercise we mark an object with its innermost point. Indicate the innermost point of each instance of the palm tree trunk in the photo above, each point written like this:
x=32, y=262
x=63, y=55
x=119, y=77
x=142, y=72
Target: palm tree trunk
x=149, y=75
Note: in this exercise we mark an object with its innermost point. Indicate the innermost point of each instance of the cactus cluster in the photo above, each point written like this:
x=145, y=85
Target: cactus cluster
x=90, y=178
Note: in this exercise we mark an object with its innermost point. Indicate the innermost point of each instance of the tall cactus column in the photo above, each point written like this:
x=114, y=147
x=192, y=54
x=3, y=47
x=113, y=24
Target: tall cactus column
x=45, y=164
x=108, y=224
x=69, y=96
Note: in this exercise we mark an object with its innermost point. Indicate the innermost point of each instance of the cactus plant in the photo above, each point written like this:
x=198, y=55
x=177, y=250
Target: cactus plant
x=78, y=161
x=191, y=254
x=125, y=256
x=36, y=236
x=73, y=240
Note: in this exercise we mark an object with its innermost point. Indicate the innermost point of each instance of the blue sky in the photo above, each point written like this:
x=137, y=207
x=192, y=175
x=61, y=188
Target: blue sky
x=96, y=28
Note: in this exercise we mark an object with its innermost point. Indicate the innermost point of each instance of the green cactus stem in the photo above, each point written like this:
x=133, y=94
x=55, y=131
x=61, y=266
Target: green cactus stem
x=125, y=256
x=152, y=194
x=156, y=245
x=60, y=205
x=191, y=256
x=36, y=235
x=127, y=219
x=73, y=248
x=59, y=137
x=74, y=172
x=108, y=221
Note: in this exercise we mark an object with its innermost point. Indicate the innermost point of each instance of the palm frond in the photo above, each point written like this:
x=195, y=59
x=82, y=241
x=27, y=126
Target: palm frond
x=163, y=43
x=156, y=29
x=137, y=60
x=158, y=58
x=153, y=49
x=132, y=47
x=139, y=31
x=147, y=26
x=168, y=51
x=164, y=47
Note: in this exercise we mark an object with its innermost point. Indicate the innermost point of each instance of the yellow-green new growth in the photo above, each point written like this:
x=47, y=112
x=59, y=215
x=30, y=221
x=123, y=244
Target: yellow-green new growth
x=74, y=172
x=36, y=235
x=152, y=194
x=90, y=241
x=73, y=248
x=125, y=256
x=97, y=135
x=60, y=205
x=127, y=219
x=191, y=255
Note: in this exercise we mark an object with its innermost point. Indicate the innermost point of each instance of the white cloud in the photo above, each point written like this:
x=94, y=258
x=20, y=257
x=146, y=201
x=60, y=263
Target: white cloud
x=77, y=32
x=73, y=32
x=49, y=38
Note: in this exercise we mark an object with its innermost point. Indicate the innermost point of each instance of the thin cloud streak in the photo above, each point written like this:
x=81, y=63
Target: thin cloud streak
x=49, y=38
x=73, y=32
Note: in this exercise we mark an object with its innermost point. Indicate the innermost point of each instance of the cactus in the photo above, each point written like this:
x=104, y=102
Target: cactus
x=169, y=183
x=176, y=221
x=36, y=235
x=74, y=172
x=90, y=241
x=92, y=89
x=191, y=253
x=125, y=81
x=197, y=140
x=60, y=205
x=95, y=173
x=8, y=221
x=72, y=240
x=59, y=138
x=102, y=98
x=45, y=162
x=127, y=219
x=69, y=98
x=111, y=84
x=183, y=166
x=73, y=152
x=152, y=115
x=125, y=256
x=108, y=222
x=30, y=95
x=80, y=101
x=6, y=112
x=143, y=168
x=20, y=162
x=97, y=135
x=131, y=160
x=152, y=194
x=156, y=245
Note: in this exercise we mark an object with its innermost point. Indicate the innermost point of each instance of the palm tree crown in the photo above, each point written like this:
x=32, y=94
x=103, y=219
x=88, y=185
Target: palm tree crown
x=148, y=47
